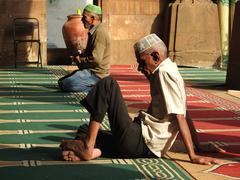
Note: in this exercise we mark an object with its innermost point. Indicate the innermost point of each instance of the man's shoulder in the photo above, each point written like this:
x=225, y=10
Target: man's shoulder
x=101, y=32
x=100, y=28
x=168, y=66
x=170, y=71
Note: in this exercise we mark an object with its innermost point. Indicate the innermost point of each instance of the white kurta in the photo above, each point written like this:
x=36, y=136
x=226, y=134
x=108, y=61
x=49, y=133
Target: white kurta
x=160, y=133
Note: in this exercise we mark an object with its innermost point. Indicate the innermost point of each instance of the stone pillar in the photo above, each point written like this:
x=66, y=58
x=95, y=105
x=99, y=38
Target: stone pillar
x=226, y=10
x=233, y=71
x=223, y=9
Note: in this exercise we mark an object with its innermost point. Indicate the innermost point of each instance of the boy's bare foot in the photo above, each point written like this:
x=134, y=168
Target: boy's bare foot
x=77, y=150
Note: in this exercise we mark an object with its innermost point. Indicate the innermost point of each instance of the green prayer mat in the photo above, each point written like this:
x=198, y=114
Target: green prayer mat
x=203, y=76
x=35, y=116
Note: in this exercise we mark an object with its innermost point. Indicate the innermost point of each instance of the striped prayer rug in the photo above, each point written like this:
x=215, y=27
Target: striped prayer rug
x=35, y=116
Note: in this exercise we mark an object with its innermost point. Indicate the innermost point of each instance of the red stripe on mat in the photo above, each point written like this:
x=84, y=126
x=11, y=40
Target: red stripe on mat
x=219, y=136
x=139, y=99
x=142, y=106
x=137, y=88
x=136, y=93
x=124, y=73
x=122, y=66
x=193, y=105
x=193, y=98
x=218, y=124
x=211, y=114
x=126, y=78
x=133, y=83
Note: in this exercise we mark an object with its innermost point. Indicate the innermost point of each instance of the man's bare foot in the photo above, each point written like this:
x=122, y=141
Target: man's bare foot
x=79, y=149
x=70, y=156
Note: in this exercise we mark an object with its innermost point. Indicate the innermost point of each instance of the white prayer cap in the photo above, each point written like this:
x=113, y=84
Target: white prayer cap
x=146, y=42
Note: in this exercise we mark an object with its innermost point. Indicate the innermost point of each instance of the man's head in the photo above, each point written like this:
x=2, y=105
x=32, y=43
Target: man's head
x=150, y=51
x=91, y=15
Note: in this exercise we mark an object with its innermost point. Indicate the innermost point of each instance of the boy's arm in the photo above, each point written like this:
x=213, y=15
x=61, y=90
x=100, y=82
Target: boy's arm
x=187, y=139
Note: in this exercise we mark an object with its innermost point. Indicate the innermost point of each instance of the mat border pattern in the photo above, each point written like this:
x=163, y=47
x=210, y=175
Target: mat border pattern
x=225, y=104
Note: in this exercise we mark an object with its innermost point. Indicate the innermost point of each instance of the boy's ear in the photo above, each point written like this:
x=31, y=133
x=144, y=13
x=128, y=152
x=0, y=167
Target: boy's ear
x=155, y=56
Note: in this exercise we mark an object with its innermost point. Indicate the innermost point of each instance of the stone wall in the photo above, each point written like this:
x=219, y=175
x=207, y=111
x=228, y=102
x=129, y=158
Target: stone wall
x=129, y=20
x=10, y=9
x=189, y=28
x=194, y=36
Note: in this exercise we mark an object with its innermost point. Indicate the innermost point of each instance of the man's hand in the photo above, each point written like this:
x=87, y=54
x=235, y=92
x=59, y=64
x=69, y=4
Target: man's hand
x=204, y=160
x=75, y=59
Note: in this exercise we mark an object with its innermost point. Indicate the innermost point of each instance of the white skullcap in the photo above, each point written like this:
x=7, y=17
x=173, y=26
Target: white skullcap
x=146, y=42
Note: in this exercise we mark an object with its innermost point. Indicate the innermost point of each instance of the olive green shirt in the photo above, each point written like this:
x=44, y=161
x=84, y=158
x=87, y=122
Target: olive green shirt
x=97, y=55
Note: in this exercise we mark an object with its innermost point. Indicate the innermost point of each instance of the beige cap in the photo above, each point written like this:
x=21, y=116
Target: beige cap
x=146, y=42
